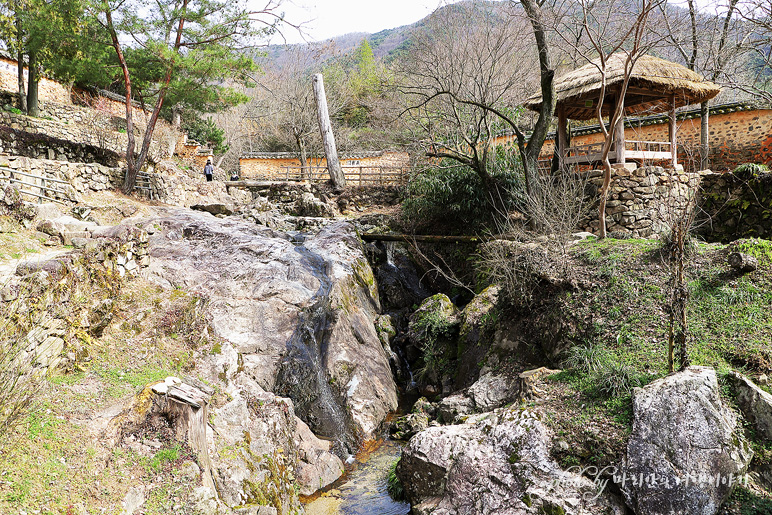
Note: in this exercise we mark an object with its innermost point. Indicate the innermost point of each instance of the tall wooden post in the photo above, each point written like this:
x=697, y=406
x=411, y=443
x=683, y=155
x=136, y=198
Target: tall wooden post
x=672, y=131
x=562, y=136
x=619, y=132
x=330, y=152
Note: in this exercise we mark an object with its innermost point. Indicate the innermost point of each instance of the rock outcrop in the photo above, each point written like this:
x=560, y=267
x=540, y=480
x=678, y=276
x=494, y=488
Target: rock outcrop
x=496, y=463
x=297, y=320
x=685, y=453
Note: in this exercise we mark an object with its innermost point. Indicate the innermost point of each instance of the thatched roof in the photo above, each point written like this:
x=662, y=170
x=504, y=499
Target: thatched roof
x=652, y=83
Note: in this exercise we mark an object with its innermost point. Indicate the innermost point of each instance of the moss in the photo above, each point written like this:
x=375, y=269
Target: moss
x=551, y=509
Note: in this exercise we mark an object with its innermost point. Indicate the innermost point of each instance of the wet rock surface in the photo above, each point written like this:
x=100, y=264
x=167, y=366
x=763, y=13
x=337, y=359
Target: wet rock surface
x=297, y=321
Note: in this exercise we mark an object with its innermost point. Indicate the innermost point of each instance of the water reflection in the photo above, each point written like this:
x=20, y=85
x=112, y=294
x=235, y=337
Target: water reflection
x=363, y=491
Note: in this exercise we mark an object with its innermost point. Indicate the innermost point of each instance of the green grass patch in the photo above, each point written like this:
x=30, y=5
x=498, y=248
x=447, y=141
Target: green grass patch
x=164, y=456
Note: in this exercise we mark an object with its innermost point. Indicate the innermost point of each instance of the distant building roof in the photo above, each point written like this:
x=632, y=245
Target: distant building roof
x=294, y=155
x=654, y=119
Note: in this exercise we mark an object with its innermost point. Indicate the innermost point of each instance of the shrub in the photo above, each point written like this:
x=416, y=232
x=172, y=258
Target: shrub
x=616, y=379
x=748, y=171
x=436, y=330
x=589, y=359
x=453, y=196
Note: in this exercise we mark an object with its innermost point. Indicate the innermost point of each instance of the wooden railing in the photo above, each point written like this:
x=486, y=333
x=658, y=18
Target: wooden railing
x=592, y=152
x=38, y=186
x=648, y=149
x=356, y=175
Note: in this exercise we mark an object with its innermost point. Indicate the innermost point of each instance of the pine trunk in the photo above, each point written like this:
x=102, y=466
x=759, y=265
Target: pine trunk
x=32, y=86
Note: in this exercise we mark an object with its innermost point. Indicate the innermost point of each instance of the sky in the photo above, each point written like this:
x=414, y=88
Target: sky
x=327, y=18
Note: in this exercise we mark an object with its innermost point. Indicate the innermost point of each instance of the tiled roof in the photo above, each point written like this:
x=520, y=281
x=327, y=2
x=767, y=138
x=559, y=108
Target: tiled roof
x=294, y=155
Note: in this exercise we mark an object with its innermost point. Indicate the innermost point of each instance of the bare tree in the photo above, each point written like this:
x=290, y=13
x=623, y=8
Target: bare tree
x=758, y=15
x=711, y=41
x=610, y=34
x=469, y=65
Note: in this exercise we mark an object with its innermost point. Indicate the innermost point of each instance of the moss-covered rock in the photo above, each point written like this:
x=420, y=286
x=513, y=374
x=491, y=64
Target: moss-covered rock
x=436, y=316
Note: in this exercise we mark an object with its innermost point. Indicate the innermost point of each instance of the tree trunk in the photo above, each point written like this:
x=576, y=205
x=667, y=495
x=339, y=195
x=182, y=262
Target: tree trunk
x=32, y=86
x=530, y=154
x=305, y=173
x=131, y=169
x=333, y=165
x=20, y=64
x=603, y=197
x=704, y=135
x=177, y=116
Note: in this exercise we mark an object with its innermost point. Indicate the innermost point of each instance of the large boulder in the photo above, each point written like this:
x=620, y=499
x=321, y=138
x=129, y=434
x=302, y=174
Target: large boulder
x=686, y=450
x=492, y=391
x=296, y=317
x=755, y=403
x=437, y=313
x=497, y=463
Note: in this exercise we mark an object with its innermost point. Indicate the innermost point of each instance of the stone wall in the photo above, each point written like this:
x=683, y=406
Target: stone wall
x=271, y=165
x=16, y=141
x=186, y=187
x=100, y=123
x=60, y=313
x=56, y=99
x=641, y=201
x=170, y=183
x=48, y=90
x=735, y=206
x=83, y=177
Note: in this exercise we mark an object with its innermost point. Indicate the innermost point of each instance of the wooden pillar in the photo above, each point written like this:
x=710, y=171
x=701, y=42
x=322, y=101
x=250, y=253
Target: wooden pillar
x=562, y=136
x=619, y=132
x=328, y=138
x=672, y=132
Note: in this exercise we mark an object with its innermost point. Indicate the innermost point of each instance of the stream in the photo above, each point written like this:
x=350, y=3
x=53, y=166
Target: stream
x=362, y=490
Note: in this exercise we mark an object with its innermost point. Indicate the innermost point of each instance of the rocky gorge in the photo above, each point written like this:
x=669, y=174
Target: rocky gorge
x=312, y=337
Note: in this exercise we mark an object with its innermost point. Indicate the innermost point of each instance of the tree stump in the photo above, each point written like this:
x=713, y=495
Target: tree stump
x=743, y=263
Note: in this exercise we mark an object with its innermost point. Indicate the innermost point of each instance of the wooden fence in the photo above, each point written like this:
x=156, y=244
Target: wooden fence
x=356, y=175
x=40, y=187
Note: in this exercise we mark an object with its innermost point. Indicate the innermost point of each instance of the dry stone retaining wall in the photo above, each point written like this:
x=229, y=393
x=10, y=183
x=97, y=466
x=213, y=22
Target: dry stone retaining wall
x=83, y=177
x=641, y=201
x=735, y=205
x=120, y=250
x=77, y=127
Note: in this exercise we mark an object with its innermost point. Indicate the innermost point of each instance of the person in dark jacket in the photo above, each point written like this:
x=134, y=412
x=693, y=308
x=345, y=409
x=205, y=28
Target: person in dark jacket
x=208, y=170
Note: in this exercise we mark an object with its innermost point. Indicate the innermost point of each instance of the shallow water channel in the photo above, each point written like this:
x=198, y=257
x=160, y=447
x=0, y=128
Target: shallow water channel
x=362, y=490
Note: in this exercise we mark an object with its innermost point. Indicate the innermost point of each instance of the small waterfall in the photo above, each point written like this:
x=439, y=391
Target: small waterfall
x=390, y=252
x=303, y=376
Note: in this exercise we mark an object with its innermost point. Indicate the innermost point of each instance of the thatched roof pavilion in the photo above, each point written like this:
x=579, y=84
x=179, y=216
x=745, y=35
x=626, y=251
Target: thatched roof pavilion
x=655, y=86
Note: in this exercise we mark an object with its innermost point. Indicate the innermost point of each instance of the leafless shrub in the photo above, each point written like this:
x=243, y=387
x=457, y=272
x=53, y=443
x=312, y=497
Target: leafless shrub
x=531, y=254
x=97, y=120
x=677, y=207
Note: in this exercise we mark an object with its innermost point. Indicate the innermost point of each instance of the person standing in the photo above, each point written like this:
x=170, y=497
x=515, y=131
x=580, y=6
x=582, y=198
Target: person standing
x=208, y=170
